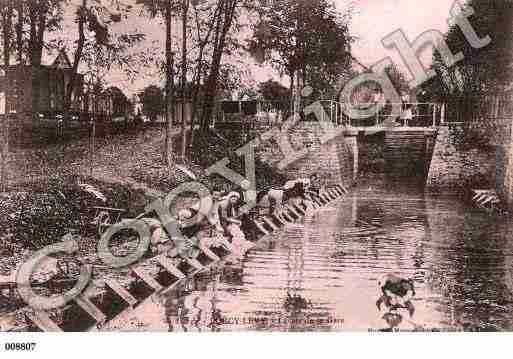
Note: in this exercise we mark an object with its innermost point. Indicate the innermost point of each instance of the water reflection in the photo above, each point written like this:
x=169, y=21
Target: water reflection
x=324, y=274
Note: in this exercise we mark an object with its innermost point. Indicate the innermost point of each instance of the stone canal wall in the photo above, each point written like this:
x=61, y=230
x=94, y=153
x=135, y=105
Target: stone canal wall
x=505, y=166
x=454, y=168
x=334, y=161
x=408, y=152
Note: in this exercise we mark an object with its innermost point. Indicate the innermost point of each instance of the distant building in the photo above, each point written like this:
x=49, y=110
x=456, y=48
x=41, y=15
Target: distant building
x=30, y=90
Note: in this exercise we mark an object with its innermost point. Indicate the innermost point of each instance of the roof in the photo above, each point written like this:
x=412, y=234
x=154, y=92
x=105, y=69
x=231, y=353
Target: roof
x=61, y=61
x=51, y=58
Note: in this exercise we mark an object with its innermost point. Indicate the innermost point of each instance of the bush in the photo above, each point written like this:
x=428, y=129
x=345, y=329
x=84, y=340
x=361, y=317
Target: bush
x=41, y=213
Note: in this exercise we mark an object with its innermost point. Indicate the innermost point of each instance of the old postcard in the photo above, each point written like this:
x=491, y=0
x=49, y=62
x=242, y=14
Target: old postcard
x=255, y=166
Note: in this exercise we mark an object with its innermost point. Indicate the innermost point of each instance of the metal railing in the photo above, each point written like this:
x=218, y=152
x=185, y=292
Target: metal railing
x=412, y=114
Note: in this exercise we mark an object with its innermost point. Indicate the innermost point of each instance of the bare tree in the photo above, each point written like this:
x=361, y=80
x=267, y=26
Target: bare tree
x=223, y=24
x=185, y=11
x=170, y=108
x=202, y=42
x=166, y=8
x=6, y=18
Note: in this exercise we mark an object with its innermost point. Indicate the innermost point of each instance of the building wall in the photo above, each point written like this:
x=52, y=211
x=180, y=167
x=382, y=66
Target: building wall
x=19, y=89
x=40, y=89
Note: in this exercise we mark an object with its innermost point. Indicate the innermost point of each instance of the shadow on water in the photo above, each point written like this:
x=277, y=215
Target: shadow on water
x=325, y=274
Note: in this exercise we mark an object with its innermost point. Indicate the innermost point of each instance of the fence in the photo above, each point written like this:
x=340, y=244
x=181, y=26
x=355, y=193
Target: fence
x=415, y=114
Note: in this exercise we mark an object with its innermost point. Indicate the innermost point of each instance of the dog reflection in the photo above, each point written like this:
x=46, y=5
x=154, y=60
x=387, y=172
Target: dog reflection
x=296, y=303
x=397, y=294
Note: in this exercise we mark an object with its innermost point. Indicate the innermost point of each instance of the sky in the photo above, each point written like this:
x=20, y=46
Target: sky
x=371, y=21
x=374, y=19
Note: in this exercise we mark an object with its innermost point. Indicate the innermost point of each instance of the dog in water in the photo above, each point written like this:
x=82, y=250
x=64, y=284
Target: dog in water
x=397, y=293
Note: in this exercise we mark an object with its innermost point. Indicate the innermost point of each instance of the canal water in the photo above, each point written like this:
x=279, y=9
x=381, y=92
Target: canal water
x=323, y=274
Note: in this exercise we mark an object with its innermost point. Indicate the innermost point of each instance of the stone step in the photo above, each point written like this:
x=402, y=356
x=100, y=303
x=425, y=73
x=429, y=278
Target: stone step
x=331, y=195
x=261, y=228
x=299, y=209
x=293, y=210
x=195, y=264
x=279, y=220
x=287, y=216
x=323, y=200
x=270, y=223
x=210, y=254
x=228, y=246
x=91, y=309
x=141, y=275
x=43, y=322
x=168, y=266
x=122, y=292
x=339, y=190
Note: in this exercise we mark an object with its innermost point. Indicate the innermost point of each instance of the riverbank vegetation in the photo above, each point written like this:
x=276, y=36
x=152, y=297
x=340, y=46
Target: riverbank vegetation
x=39, y=210
x=477, y=91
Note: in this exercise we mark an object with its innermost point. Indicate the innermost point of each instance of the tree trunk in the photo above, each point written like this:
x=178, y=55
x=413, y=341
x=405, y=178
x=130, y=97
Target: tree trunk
x=76, y=60
x=37, y=14
x=199, y=71
x=184, y=77
x=4, y=128
x=212, y=82
x=292, y=91
x=196, y=86
x=169, y=89
x=19, y=32
x=21, y=61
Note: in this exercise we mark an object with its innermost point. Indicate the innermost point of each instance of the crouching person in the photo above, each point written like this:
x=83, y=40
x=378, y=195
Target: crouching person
x=187, y=244
x=175, y=248
x=160, y=242
x=213, y=218
x=301, y=198
x=229, y=216
x=315, y=191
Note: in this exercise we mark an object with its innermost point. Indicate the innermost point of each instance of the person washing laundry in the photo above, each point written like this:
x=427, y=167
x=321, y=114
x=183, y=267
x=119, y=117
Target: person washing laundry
x=315, y=189
x=213, y=217
x=159, y=242
x=229, y=212
x=187, y=243
x=298, y=199
x=215, y=233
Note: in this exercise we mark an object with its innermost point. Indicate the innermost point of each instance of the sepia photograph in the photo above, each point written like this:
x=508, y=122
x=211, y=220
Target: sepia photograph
x=255, y=166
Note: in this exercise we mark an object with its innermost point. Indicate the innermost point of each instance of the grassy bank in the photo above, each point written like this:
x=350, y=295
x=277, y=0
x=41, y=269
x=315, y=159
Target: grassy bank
x=45, y=200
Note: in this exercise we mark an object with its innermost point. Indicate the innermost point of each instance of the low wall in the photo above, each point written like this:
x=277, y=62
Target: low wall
x=505, y=170
x=507, y=189
x=333, y=161
x=453, y=168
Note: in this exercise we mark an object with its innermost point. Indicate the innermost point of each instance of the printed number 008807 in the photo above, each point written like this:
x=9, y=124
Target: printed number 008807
x=20, y=346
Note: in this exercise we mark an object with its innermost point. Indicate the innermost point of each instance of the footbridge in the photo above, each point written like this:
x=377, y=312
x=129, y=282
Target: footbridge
x=409, y=138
